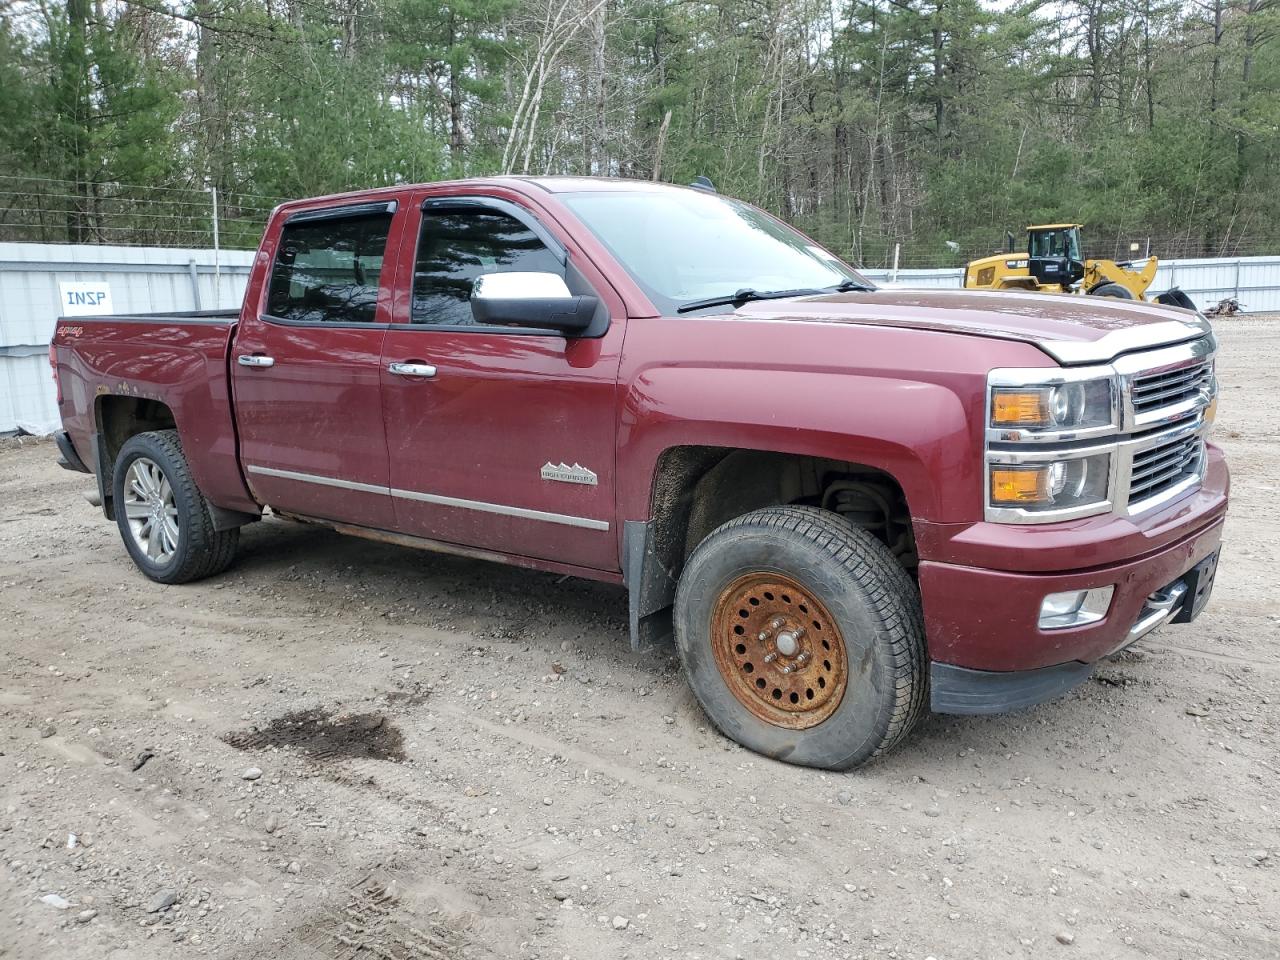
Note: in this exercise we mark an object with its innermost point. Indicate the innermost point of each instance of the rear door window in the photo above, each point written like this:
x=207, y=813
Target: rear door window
x=328, y=270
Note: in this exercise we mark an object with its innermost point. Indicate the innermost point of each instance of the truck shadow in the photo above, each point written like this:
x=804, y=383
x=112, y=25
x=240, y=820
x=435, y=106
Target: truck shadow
x=490, y=600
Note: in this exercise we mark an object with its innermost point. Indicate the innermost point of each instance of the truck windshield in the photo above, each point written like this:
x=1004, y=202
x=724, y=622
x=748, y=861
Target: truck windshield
x=683, y=246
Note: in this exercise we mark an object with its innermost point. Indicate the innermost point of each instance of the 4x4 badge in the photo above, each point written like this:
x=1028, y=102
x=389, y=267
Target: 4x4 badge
x=567, y=474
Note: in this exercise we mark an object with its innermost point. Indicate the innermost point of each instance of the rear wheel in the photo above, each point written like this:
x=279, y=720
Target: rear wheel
x=802, y=637
x=163, y=517
x=1112, y=290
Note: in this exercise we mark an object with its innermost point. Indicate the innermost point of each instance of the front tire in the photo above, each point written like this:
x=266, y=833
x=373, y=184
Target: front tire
x=802, y=638
x=163, y=517
x=1111, y=289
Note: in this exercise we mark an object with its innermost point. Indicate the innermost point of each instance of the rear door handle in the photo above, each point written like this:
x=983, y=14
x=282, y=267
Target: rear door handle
x=412, y=369
x=255, y=360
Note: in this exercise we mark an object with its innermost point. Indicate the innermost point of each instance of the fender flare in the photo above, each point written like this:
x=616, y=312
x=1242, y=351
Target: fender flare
x=919, y=432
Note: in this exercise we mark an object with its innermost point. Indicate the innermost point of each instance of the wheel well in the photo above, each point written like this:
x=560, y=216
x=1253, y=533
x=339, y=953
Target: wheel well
x=696, y=489
x=120, y=418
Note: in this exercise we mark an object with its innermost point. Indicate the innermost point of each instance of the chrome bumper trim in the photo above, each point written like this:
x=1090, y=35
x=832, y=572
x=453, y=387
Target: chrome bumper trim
x=1159, y=608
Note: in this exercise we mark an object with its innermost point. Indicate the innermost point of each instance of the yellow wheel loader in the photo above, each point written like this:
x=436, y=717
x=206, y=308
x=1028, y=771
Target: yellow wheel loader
x=1052, y=264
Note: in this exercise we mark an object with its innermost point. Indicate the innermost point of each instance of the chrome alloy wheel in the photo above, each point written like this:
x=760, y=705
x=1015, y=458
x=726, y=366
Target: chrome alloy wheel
x=151, y=511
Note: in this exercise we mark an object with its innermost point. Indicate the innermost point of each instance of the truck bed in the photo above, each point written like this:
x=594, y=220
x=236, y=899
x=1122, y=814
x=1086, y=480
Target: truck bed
x=162, y=366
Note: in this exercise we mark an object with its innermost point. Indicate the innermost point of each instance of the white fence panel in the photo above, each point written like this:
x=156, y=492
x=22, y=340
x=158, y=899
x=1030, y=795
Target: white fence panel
x=141, y=280
x=953, y=277
x=1254, y=281
x=27, y=397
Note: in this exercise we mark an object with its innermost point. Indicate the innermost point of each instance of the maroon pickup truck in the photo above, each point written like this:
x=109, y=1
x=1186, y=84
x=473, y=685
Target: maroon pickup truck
x=847, y=505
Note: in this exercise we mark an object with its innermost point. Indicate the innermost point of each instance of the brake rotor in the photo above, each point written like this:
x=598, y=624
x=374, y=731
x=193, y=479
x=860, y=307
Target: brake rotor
x=779, y=650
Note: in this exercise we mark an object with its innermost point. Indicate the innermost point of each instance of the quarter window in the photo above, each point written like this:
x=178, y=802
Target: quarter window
x=456, y=246
x=328, y=270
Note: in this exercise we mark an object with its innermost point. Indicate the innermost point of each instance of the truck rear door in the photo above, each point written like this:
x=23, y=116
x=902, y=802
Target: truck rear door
x=305, y=366
x=499, y=437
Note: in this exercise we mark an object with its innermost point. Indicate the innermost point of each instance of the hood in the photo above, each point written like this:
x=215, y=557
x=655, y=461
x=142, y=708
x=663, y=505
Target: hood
x=1071, y=329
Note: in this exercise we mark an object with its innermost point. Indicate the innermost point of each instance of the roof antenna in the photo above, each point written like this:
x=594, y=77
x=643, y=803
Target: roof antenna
x=703, y=183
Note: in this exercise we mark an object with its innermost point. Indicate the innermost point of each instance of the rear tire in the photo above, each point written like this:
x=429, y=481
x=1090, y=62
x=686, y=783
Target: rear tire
x=802, y=638
x=1112, y=290
x=163, y=517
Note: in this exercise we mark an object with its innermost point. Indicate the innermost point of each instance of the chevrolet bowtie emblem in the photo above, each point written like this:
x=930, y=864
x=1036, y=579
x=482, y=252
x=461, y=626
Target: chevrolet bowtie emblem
x=567, y=474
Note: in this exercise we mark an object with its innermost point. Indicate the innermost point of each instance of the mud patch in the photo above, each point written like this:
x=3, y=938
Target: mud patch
x=323, y=736
x=409, y=698
x=373, y=922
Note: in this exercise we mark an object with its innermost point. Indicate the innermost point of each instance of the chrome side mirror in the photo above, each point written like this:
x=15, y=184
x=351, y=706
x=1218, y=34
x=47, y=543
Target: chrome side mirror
x=530, y=300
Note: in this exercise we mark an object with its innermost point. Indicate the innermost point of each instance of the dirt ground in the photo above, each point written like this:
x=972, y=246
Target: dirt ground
x=462, y=760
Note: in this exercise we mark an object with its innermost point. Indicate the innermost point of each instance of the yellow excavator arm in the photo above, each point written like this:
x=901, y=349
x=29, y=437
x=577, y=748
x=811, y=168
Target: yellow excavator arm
x=1098, y=272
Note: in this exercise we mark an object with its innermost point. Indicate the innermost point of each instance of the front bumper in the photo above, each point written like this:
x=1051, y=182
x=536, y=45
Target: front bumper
x=963, y=690
x=983, y=623
x=989, y=619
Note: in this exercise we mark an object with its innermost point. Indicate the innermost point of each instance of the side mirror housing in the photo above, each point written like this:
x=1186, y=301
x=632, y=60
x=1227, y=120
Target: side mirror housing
x=530, y=300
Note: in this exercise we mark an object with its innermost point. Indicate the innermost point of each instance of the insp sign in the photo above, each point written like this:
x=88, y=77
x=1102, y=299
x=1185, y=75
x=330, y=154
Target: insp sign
x=85, y=298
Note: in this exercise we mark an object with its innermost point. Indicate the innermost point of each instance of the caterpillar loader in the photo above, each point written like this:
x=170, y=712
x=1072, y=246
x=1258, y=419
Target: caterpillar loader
x=1052, y=263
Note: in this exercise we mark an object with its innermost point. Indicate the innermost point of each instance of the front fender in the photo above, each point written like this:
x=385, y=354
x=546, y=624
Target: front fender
x=918, y=432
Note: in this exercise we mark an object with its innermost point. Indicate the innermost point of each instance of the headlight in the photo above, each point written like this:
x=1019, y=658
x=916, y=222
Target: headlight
x=1076, y=484
x=1072, y=405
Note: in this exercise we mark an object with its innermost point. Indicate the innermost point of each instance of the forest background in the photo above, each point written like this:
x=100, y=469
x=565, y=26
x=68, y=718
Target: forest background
x=931, y=124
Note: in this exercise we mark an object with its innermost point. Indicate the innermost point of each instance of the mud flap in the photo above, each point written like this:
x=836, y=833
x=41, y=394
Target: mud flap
x=651, y=589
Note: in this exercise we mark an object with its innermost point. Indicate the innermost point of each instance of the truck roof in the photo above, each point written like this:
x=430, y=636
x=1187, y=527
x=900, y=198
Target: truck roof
x=549, y=184
x=552, y=184
x=580, y=184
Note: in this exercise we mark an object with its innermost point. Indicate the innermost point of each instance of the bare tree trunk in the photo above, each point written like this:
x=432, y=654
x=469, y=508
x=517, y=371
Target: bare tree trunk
x=74, y=80
x=597, y=151
x=1095, y=37
x=1216, y=73
x=1251, y=40
x=661, y=147
x=939, y=108
x=457, y=140
x=557, y=30
x=350, y=21
x=1148, y=81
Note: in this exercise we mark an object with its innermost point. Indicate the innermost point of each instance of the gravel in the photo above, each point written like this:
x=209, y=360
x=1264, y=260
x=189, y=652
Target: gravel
x=161, y=900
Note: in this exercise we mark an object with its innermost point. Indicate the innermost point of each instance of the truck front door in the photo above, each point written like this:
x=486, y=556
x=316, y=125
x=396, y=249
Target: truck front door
x=305, y=367
x=499, y=437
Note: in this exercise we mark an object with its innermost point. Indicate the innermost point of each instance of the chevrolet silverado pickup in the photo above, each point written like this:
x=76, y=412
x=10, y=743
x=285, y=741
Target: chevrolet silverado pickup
x=846, y=505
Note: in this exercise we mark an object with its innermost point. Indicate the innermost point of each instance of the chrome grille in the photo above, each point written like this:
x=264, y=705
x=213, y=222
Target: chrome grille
x=1164, y=466
x=1157, y=390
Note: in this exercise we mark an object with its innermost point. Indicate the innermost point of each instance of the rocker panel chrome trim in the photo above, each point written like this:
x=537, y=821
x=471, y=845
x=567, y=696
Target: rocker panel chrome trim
x=497, y=508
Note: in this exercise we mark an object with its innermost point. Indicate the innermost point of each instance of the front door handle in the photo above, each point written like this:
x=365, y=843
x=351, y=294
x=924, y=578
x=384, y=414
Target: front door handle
x=255, y=360
x=412, y=369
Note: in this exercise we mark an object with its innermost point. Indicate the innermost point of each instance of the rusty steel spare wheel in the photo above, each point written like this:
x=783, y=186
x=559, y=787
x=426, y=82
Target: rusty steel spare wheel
x=780, y=652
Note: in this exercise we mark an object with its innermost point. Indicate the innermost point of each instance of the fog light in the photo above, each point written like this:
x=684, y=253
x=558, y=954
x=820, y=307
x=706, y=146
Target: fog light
x=1075, y=608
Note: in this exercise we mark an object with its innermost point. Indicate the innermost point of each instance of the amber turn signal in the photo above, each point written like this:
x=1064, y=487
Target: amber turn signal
x=1020, y=408
x=1019, y=485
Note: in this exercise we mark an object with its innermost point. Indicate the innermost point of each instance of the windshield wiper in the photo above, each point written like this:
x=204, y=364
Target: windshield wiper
x=745, y=295
x=851, y=286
